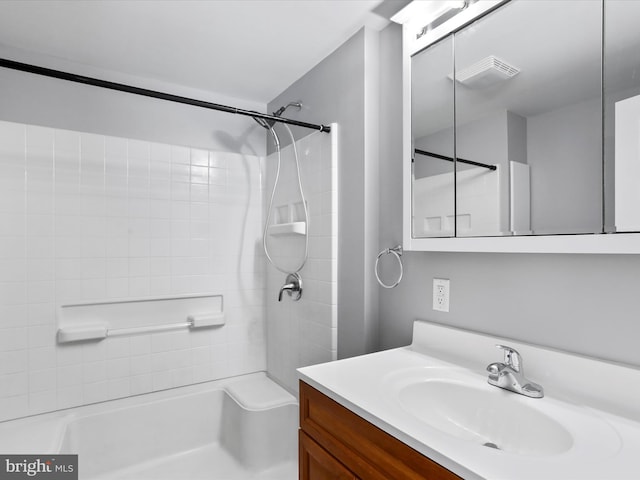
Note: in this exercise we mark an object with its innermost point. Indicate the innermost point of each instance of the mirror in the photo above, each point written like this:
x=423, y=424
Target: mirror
x=517, y=99
x=621, y=116
x=433, y=191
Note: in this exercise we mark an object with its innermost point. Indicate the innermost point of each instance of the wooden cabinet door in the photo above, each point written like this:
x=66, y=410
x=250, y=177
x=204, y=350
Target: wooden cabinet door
x=357, y=447
x=317, y=464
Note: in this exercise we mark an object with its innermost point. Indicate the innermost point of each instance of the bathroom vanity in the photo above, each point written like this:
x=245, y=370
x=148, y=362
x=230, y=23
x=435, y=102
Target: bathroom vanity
x=334, y=442
x=427, y=411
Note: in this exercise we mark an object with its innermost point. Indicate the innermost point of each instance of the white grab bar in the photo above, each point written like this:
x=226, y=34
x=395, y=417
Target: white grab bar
x=100, y=331
x=120, y=332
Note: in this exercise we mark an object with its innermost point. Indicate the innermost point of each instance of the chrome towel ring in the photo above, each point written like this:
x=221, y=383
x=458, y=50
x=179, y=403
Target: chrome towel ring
x=397, y=252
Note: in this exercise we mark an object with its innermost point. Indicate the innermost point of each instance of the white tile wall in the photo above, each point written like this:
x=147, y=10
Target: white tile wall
x=304, y=332
x=89, y=218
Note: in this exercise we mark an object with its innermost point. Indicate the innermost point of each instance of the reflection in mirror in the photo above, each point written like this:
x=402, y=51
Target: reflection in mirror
x=535, y=111
x=622, y=116
x=433, y=192
x=528, y=100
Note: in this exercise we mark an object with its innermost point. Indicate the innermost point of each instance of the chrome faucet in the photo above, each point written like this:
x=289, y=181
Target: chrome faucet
x=293, y=287
x=509, y=375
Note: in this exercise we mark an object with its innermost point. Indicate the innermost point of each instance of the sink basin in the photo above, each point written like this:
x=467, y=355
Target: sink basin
x=434, y=397
x=486, y=416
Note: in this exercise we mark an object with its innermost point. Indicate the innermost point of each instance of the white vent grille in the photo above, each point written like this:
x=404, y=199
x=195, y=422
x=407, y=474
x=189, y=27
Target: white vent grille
x=486, y=72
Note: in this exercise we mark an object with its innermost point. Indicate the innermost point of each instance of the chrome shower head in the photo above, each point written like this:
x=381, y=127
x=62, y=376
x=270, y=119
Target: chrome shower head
x=281, y=110
x=269, y=123
x=264, y=123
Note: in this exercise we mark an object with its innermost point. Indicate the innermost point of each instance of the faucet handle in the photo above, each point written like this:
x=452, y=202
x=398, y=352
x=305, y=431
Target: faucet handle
x=511, y=357
x=495, y=368
x=293, y=287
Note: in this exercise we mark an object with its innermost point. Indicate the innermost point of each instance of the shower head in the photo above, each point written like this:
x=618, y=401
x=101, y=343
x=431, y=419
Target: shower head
x=264, y=123
x=281, y=110
x=269, y=123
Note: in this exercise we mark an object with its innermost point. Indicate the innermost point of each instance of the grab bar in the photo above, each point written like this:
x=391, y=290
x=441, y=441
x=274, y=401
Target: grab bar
x=100, y=331
x=120, y=332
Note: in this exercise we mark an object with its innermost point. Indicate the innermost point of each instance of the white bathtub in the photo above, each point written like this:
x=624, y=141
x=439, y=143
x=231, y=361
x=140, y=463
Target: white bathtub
x=243, y=428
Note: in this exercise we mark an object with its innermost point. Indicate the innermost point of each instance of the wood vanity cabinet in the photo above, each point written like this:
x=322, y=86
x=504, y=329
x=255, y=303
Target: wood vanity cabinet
x=335, y=443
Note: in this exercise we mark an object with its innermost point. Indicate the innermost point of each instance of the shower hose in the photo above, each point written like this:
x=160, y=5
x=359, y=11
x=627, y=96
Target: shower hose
x=273, y=192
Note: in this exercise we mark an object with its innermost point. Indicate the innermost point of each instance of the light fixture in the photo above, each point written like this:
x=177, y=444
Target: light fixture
x=427, y=11
x=427, y=21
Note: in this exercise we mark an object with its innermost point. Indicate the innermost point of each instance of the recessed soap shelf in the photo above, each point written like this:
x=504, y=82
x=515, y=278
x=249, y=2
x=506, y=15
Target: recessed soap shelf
x=290, y=228
x=288, y=220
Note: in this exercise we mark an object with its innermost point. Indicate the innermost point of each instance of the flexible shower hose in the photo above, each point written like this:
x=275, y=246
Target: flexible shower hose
x=273, y=192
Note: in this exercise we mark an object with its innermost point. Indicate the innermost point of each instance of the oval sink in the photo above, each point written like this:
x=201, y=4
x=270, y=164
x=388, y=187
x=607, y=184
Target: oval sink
x=485, y=416
x=458, y=403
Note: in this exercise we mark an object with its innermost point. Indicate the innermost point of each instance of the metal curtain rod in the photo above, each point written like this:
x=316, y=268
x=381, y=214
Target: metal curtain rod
x=449, y=159
x=96, y=82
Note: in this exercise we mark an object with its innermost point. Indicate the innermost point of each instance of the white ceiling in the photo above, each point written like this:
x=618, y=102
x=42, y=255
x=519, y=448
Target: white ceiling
x=247, y=49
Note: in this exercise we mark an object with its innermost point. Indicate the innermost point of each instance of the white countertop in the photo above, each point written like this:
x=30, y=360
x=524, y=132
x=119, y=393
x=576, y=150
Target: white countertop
x=600, y=413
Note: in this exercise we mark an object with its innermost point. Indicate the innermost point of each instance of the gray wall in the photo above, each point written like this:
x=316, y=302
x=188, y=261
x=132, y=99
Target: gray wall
x=566, y=174
x=517, y=137
x=586, y=304
x=343, y=89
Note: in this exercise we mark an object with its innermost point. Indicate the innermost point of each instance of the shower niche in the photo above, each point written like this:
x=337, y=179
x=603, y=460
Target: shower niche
x=520, y=138
x=289, y=220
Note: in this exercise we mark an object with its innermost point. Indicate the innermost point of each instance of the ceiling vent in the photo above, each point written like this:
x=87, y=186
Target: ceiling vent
x=486, y=72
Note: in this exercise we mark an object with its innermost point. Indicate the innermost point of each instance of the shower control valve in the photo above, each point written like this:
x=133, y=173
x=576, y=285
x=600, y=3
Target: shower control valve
x=293, y=287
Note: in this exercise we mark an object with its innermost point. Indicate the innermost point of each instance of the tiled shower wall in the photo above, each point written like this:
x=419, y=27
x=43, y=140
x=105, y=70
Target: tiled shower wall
x=304, y=332
x=87, y=218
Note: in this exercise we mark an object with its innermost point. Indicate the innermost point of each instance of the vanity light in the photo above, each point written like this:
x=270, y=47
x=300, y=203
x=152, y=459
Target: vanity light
x=426, y=21
x=427, y=11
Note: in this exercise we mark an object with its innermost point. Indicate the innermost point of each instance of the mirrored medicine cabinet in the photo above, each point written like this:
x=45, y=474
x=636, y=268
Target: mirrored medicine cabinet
x=522, y=127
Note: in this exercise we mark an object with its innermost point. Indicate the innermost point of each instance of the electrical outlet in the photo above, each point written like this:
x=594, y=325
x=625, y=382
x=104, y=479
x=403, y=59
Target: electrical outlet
x=441, y=294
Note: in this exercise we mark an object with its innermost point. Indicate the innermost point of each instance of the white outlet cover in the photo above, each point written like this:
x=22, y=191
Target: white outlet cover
x=441, y=294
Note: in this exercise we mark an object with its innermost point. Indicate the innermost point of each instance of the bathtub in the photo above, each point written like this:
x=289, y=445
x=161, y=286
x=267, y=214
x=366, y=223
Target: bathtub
x=242, y=428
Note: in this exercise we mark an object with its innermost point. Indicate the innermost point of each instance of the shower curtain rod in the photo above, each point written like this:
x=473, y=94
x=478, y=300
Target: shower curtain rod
x=449, y=159
x=96, y=82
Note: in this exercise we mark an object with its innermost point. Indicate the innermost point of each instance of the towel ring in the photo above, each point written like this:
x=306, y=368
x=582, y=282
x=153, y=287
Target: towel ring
x=397, y=252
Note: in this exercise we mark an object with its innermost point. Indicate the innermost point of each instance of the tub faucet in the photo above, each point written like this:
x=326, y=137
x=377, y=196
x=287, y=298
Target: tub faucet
x=510, y=376
x=293, y=287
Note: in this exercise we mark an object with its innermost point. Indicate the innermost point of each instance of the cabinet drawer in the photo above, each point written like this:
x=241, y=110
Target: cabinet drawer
x=367, y=451
x=317, y=464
